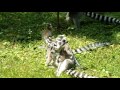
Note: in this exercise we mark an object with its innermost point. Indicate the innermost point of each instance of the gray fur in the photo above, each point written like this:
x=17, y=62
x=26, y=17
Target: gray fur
x=75, y=18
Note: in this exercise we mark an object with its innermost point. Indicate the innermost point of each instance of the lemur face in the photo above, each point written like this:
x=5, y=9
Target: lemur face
x=60, y=42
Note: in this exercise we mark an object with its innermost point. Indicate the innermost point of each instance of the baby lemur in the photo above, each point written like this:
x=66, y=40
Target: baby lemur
x=62, y=56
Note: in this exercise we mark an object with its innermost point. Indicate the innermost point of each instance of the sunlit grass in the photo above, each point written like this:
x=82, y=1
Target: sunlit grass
x=20, y=34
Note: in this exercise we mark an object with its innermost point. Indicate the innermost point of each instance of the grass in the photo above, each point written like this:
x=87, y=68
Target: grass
x=20, y=34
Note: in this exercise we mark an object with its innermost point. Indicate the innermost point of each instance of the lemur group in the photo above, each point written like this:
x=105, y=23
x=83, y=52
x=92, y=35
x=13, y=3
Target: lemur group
x=58, y=51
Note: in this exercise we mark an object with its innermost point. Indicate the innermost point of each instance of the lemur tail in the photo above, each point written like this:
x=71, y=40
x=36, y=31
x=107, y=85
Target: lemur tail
x=102, y=18
x=78, y=74
x=90, y=47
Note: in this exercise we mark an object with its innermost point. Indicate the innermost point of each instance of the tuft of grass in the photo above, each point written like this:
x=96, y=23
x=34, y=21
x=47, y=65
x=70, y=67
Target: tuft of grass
x=20, y=33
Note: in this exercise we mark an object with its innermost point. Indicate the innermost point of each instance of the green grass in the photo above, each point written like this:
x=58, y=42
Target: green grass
x=20, y=33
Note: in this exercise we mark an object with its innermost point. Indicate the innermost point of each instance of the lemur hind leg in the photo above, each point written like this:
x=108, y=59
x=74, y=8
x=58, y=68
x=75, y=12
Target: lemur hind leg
x=74, y=17
x=63, y=66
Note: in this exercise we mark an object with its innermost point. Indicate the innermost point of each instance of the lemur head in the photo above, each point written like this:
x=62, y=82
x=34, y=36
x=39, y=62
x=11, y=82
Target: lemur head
x=47, y=25
x=47, y=31
x=60, y=42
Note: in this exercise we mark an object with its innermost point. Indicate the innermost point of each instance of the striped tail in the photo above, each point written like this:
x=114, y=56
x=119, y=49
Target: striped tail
x=102, y=18
x=77, y=74
x=90, y=47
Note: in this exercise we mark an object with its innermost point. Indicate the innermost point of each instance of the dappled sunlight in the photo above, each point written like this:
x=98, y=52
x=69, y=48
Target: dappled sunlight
x=20, y=37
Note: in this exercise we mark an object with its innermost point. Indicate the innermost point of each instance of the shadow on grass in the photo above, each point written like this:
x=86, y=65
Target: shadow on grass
x=26, y=26
x=96, y=30
x=23, y=26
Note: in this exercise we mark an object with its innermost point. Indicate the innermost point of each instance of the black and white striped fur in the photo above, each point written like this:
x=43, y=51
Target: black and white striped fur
x=78, y=74
x=102, y=18
x=54, y=48
x=75, y=18
x=68, y=66
x=62, y=56
x=66, y=62
x=90, y=47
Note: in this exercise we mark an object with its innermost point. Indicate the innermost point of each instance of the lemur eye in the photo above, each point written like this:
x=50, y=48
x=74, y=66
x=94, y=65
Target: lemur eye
x=55, y=45
x=64, y=40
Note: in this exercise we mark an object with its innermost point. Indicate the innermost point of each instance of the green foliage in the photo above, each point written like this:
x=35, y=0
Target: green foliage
x=20, y=33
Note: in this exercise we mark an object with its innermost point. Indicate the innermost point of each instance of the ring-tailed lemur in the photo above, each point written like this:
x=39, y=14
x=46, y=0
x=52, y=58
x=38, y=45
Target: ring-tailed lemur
x=62, y=56
x=51, y=45
x=75, y=17
x=47, y=36
x=66, y=60
x=90, y=47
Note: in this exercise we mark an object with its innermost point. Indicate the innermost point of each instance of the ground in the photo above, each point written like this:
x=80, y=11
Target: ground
x=20, y=33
